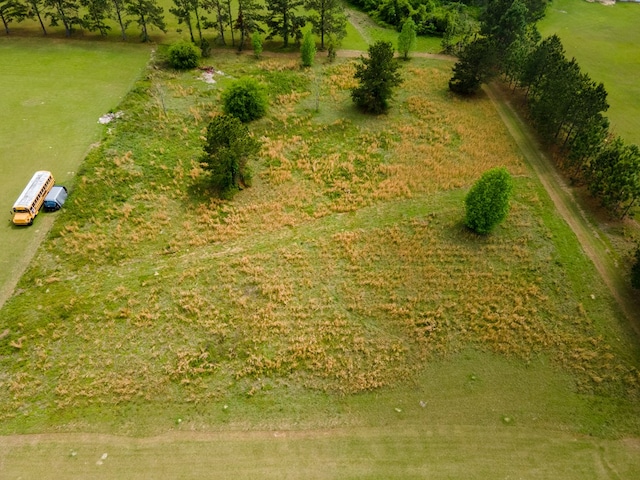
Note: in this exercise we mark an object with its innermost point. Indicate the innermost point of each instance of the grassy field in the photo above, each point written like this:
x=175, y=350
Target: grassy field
x=151, y=301
x=604, y=40
x=335, y=320
x=53, y=94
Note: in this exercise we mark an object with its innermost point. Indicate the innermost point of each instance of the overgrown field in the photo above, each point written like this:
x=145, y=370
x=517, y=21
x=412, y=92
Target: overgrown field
x=344, y=269
x=604, y=39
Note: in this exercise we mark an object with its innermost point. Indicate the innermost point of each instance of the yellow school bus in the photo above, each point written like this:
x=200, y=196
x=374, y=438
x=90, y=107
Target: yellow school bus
x=30, y=200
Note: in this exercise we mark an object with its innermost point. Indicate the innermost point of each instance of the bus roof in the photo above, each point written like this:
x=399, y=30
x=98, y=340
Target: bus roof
x=32, y=189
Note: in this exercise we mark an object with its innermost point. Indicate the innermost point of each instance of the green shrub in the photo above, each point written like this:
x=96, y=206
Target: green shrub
x=308, y=49
x=487, y=203
x=331, y=51
x=256, y=42
x=183, y=55
x=245, y=99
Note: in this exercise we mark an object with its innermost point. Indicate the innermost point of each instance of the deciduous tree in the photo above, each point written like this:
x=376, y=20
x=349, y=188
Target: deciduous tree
x=227, y=149
x=328, y=19
x=394, y=12
x=487, y=203
x=11, y=11
x=256, y=43
x=308, y=49
x=407, y=38
x=459, y=30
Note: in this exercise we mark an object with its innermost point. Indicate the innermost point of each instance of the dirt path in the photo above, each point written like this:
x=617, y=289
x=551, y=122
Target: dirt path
x=342, y=53
x=359, y=20
x=587, y=233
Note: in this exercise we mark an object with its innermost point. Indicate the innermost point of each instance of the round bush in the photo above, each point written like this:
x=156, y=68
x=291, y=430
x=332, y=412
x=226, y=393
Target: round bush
x=245, y=99
x=487, y=203
x=183, y=55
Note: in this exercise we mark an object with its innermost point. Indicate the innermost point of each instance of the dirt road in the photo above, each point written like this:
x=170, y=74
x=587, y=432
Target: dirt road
x=588, y=234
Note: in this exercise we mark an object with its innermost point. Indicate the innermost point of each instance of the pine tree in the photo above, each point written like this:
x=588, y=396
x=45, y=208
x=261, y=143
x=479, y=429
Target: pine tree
x=377, y=75
x=283, y=21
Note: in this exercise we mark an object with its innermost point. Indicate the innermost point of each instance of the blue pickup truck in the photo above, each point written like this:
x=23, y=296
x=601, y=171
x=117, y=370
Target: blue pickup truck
x=55, y=198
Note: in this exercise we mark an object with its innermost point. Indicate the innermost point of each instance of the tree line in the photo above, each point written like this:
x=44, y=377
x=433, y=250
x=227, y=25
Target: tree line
x=565, y=105
x=276, y=18
x=431, y=17
x=91, y=15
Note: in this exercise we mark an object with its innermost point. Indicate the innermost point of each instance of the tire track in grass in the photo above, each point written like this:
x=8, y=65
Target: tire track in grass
x=588, y=234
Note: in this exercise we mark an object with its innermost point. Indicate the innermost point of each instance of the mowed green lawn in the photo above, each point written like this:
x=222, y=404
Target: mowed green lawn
x=415, y=452
x=606, y=42
x=53, y=92
x=475, y=416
